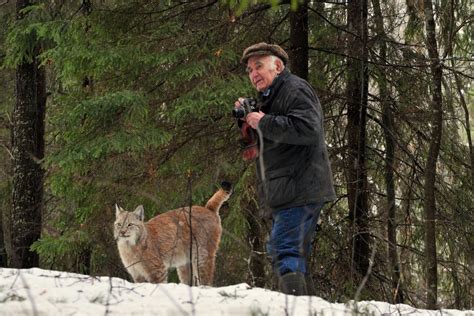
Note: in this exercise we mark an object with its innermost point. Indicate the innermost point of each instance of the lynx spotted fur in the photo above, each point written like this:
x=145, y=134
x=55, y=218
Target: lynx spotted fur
x=149, y=249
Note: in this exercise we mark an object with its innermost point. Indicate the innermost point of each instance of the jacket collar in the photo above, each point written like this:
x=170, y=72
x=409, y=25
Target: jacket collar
x=267, y=95
x=276, y=82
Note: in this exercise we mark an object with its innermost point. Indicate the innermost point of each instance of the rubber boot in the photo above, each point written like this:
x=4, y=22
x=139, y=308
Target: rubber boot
x=310, y=285
x=293, y=283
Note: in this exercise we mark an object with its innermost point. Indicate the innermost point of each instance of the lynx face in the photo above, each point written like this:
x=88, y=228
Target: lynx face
x=128, y=226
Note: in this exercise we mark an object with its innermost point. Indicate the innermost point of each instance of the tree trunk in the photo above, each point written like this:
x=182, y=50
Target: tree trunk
x=470, y=238
x=388, y=127
x=299, y=41
x=3, y=251
x=357, y=92
x=27, y=151
x=84, y=260
x=436, y=120
x=256, y=237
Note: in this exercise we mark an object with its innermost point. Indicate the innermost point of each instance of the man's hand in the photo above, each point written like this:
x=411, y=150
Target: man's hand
x=238, y=103
x=253, y=118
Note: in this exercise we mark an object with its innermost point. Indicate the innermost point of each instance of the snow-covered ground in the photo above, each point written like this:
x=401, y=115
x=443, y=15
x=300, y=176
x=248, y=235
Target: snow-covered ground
x=45, y=292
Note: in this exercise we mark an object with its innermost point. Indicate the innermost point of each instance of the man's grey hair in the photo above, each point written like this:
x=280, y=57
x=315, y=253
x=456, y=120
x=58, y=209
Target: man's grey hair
x=274, y=58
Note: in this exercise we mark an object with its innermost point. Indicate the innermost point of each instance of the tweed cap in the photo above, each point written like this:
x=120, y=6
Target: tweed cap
x=263, y=49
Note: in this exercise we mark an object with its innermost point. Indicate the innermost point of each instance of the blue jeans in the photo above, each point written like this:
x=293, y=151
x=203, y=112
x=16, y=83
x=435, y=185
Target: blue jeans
x=293, y=231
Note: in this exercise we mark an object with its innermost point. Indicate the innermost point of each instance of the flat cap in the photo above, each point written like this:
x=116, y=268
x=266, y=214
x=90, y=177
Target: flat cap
x=264, y=49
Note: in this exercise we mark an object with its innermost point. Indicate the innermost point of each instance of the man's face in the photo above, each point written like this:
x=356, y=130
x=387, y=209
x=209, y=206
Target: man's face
x=262, y=71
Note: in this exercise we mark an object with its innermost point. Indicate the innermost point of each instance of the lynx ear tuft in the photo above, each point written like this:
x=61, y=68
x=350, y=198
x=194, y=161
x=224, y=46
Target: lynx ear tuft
x=140, y=213
x=118, y=210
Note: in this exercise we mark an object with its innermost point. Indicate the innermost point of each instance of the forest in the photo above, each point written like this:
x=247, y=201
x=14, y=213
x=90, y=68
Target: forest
x=129, y=102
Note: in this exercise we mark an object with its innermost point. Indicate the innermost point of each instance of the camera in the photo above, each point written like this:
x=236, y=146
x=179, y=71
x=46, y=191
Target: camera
x=247, y=105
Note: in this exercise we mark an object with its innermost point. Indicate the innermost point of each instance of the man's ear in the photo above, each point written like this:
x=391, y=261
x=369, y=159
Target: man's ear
x=279, y=65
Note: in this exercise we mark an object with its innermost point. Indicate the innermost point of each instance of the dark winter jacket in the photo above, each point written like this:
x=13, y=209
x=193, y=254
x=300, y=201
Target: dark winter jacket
x=294, y=159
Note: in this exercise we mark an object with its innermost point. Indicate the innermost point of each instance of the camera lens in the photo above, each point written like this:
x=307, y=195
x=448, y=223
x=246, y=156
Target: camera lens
x=238, y=112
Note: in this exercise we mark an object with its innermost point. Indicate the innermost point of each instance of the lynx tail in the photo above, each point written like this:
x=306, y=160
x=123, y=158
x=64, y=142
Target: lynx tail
x=222, y=195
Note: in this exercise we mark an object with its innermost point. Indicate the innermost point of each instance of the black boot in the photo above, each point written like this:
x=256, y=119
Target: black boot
x=310, y=285
x=293, y=283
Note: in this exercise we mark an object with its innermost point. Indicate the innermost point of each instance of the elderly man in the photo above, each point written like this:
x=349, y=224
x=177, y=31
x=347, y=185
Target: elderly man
x=293, y=170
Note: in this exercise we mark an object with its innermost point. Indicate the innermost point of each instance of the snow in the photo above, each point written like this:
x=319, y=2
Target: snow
x=44, y=292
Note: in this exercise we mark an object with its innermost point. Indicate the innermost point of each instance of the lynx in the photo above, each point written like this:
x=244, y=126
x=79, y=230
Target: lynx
x=149, y=249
